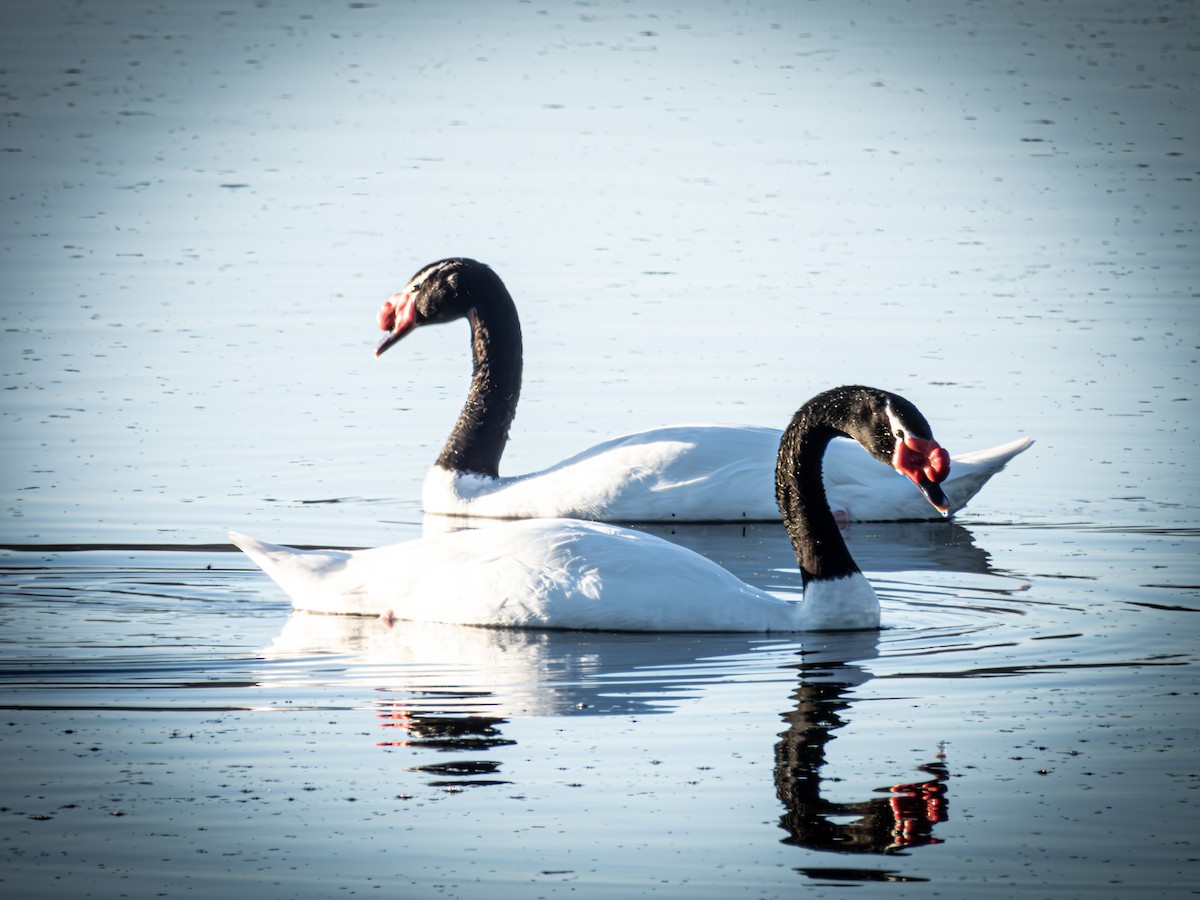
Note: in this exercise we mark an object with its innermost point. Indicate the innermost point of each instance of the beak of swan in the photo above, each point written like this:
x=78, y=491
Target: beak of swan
x=926, y=464
x=397, y=316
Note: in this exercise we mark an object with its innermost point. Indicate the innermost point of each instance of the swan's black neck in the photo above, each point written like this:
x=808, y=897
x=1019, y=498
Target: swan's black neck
x=799, y=490
x=477, y=441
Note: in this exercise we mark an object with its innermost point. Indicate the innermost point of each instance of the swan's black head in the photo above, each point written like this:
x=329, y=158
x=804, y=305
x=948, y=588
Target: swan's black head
x=894, y=432
x=440, y=292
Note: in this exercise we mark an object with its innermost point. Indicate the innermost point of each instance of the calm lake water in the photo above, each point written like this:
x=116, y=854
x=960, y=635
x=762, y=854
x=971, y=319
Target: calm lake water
x=706, y=213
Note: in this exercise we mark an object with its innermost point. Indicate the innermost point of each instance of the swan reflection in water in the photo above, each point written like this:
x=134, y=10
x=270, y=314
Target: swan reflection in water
x=452, y=689
x=900, y=817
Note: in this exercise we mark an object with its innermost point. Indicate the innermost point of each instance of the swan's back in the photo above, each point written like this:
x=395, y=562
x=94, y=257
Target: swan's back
x=677, y=473
x=542, y=573
x=699, y=473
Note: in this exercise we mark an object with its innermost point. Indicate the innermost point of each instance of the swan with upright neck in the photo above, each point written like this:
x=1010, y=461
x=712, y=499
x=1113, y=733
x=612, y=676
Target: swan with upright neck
x=566, y=573
x=682, y=473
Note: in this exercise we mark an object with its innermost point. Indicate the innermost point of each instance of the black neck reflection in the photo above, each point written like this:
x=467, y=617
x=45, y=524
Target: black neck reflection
x=901, y=817
x=466, y=727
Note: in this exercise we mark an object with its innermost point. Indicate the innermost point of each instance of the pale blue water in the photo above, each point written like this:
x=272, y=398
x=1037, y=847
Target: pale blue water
x=705, y=214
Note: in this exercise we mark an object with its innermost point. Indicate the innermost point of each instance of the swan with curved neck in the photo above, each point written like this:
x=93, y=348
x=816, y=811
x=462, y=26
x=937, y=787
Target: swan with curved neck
x=676, y=473
x=565, y=573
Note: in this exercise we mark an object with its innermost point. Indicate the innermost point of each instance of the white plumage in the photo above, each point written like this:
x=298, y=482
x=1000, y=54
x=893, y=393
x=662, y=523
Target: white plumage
x=551, y=573
x=700, y=473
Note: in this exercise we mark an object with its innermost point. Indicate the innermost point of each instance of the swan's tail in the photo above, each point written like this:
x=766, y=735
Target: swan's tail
x=262, y=553
x=971, y=471
x=312, y=578
x=995, y=458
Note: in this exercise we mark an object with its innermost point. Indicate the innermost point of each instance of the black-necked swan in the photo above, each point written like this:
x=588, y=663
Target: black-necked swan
x=566, y=573
x=708, y=473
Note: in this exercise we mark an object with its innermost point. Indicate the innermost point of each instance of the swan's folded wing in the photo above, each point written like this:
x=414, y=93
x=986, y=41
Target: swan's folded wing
x=677, y=473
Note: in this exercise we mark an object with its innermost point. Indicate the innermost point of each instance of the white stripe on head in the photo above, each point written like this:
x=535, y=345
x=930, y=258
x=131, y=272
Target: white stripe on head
x=429, y=271
x=897, y=426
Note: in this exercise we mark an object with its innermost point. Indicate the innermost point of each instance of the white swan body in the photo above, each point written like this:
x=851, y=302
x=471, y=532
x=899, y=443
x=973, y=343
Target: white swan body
x=553, y=573
x=703, y=473
x=566, y=573
x=700, y=473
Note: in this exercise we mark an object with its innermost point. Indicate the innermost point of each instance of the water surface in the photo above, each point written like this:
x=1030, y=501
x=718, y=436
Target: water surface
x=705, y=215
